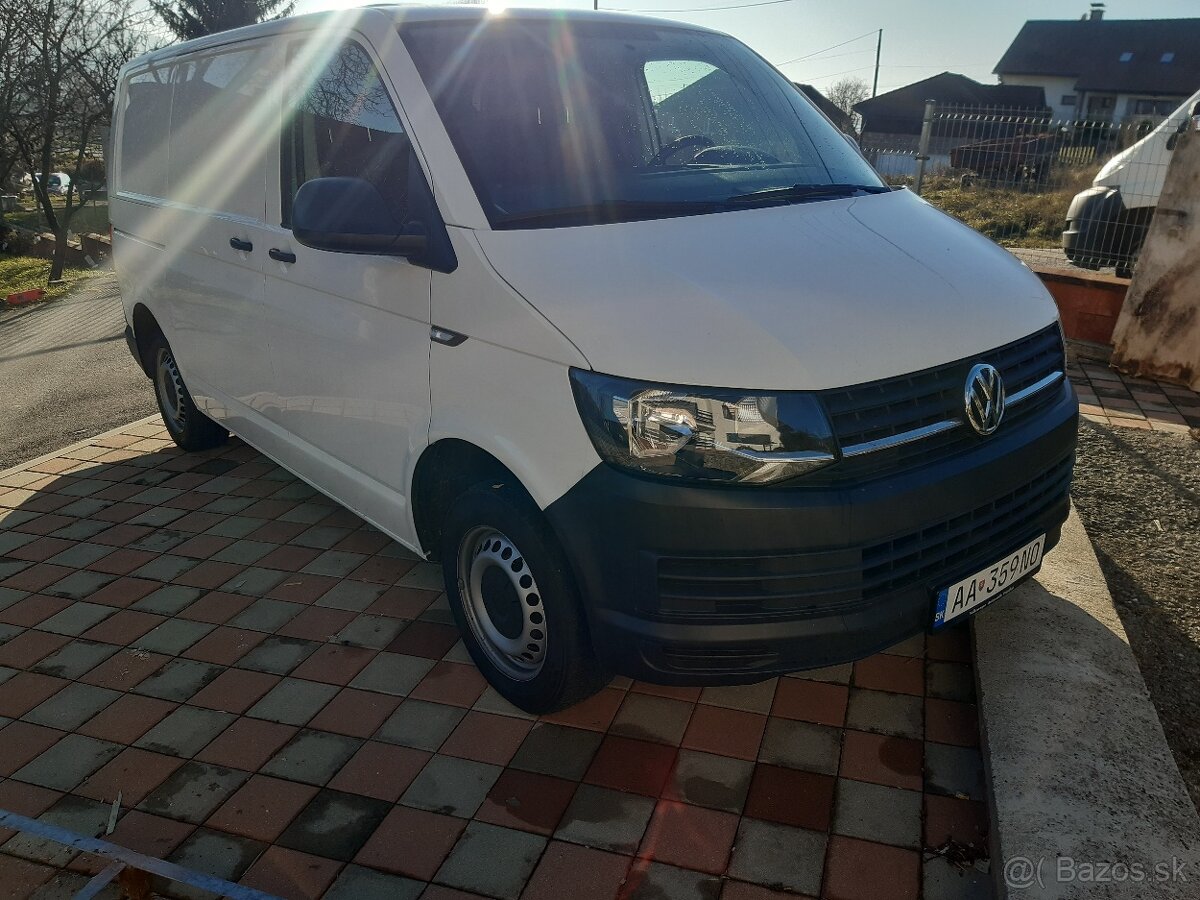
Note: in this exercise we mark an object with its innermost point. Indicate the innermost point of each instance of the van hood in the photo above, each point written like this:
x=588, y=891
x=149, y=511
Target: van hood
x=801, y=297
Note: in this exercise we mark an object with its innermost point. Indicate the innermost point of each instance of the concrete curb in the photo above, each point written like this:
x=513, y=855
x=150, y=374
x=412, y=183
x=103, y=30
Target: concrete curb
x=53, y=454
x=1086, y=798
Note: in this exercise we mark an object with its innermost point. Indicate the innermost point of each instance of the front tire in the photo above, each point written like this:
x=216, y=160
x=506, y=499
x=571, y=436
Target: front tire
x=515, y=601
x=189, y=428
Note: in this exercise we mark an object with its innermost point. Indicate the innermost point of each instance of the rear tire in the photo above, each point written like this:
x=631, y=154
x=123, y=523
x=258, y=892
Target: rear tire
x=189, y=428
x=515, y=601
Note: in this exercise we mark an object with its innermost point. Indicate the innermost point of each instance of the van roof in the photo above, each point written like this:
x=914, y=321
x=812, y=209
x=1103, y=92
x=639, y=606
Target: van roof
x=396, y=13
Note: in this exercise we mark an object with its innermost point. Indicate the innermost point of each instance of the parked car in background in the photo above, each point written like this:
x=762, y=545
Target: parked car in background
x=56, y=183
x=1107, y=223
x=560, y=299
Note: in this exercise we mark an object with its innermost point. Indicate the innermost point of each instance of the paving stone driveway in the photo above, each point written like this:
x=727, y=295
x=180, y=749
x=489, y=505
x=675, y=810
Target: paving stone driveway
x=277, y=693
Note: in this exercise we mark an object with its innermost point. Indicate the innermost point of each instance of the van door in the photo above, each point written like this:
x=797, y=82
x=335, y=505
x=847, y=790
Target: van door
x=213, y=224
x=350, y=337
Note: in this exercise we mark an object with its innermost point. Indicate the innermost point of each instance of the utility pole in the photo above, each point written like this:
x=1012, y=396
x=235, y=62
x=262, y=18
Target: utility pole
x=878, y=50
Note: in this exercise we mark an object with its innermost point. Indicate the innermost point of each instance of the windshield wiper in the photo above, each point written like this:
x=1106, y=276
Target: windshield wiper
x=800, y=192
x=612, y=211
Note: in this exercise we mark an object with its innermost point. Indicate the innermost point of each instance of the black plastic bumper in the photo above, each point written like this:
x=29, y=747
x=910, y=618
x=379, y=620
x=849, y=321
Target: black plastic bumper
x=710, y=585
x=1100, y=231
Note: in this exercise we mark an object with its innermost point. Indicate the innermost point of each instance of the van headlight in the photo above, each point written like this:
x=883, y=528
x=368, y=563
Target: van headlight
x=707, y=434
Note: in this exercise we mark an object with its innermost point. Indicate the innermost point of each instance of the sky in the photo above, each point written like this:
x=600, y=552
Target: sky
x=920, y=37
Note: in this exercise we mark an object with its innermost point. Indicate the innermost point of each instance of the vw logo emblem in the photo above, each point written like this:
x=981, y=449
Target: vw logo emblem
x=984, y=398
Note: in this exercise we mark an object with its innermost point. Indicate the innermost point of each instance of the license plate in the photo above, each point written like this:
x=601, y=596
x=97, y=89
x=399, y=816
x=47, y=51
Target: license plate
x=975, y=591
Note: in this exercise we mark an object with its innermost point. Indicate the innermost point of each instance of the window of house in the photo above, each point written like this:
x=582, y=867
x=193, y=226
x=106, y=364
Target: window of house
x=1147, y=107
x=1127, y=56
x=343, y=124
x=1069, y=99
x=1167, y=57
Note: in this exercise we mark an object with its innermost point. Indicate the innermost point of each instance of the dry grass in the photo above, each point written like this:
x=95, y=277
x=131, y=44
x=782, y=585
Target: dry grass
x=1012, y=216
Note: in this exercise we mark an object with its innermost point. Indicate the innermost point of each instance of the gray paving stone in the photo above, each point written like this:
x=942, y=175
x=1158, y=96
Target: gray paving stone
x=76, y=814
x=658, y=881
x=950, y=681
x=393, y=673
x=75, y=659
x=71, y=707
x=278, y=655
x=193, y=791
x=10, y=567
x=6, y=673
x=81, y=530
x=883, y=713
x=336, y=563
x=9, y=596
x=160, y=540
x=173, y=636
x=85, y=487
x=245, y=552
x=490, y=700
x=335, y=825
x=913, y=646
x=179, y=679
x=68, y=762
x=438, y=611
x=234, y=526
x=375, y=632
x=293, y=701
x=77, y=618
x=215, y=853
x=80, y=555
x=749, y=697
x=303, y=513
x=160, y=515
x=354, y=596
x=360, y=883
x=11, y=518
x=166, y=567
x=874, y=812
x=651, y=718
x=320, y=537
x=424, y=576
x=185, y=731
x=420, y=724
x=85, y=508
x=312, y=757
x=254, y=582
x=12, y=540
x=704, y=779
x=451, y=786
x=557, y=750
x=169, y=599
x=944, y=881
x=492, y=860
x=801, y=745
x=778, y=856
x=953, y=770
x=8, y=632
x=266, y=615
x=607, y=819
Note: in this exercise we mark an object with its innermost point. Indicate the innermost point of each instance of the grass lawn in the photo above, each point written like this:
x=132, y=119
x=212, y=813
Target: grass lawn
x=91, y=218
x=23, y=273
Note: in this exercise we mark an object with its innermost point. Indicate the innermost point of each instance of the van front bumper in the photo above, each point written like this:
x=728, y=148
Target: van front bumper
x=687, y=584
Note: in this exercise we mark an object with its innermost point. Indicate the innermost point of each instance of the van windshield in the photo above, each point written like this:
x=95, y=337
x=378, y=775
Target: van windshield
x=568, y=122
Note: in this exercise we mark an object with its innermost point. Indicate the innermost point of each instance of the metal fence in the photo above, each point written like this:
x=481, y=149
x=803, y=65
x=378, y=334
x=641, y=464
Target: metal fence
x=1026, y=181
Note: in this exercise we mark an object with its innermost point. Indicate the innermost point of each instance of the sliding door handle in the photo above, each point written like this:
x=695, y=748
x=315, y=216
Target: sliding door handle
x=239, y=244
x=281, y=255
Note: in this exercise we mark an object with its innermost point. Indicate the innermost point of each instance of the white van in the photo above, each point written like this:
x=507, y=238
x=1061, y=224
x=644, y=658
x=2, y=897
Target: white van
x=1107, y=223
x=602, y=314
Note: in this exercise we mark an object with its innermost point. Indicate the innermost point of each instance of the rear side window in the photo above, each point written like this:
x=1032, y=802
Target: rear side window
x=342, y=123
x=144, y=125
x=217, y=134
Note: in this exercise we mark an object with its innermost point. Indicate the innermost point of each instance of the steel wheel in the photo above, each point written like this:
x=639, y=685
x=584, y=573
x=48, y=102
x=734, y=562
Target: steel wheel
x=502, y=603
x=169, y=385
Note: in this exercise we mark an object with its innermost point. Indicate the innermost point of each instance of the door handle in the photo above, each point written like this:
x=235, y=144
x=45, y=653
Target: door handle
x=281, y=255
x=239, y=244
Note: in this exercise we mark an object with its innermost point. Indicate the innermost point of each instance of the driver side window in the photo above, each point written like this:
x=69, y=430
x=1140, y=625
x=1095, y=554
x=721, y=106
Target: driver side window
x=693, y=97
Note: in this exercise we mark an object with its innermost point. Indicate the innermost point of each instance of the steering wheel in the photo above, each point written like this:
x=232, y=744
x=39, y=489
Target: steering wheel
x=699, y=141
x=734, y=155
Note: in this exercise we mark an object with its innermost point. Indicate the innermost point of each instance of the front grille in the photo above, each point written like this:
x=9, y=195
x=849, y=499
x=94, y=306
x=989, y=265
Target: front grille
x=840, y=581
x=893, y=406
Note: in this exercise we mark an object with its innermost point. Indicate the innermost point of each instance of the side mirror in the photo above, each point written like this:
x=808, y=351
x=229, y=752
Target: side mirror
x=348, y=215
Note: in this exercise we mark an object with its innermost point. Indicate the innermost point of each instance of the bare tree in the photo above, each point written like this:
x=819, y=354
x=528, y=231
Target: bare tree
x=56, y=91
x=846, y=92
x=189, y=19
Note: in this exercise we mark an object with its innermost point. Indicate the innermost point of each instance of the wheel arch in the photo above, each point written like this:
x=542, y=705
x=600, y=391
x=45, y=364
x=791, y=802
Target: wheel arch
x=145, y=329
x=445, y=469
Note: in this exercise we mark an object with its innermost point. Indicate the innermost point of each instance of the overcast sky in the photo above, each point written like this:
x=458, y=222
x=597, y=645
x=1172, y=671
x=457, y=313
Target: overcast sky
x=920, y=37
